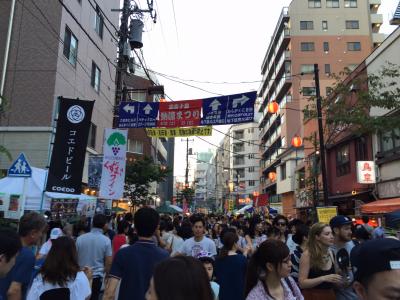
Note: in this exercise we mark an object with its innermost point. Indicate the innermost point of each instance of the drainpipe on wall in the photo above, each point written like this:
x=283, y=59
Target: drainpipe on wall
x=7, y=50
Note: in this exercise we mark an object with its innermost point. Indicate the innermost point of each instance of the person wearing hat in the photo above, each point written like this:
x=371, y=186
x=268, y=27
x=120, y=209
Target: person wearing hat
x=55, y=233
x=342, y=232
x=208, y=263
x=376, y=267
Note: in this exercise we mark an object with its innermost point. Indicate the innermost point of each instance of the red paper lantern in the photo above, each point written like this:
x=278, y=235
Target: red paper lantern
x=272, y=176
x=273, y=107
x=297, y=141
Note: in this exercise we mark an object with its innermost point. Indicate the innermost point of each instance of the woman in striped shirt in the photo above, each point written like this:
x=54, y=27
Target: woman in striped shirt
x=300, y=238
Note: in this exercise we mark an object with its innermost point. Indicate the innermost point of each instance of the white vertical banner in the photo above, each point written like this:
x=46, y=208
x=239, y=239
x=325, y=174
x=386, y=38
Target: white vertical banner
x=114, y=162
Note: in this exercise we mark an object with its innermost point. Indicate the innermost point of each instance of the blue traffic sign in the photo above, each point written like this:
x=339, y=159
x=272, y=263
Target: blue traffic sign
x=20, y=167
x=232, y=109
x=138, y=114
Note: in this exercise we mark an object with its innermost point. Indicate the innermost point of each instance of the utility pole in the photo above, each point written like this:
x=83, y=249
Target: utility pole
x=187, y=163
x=120, y=93
x=321, y=135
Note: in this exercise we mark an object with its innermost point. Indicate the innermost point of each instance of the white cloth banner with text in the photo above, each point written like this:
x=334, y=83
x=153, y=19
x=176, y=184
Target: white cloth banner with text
x=114, y=162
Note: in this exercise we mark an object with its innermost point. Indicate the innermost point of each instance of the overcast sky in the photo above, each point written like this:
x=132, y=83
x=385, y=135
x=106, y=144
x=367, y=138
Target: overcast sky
x=214, y=41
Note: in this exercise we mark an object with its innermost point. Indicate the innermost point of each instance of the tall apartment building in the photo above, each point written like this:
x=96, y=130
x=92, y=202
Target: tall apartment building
x=203, y=163
x=55, y=50
x=237, y=164
x=333, y=33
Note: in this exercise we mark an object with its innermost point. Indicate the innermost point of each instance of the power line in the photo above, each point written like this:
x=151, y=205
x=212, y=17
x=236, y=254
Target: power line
x=105, y=16
x=176, y=27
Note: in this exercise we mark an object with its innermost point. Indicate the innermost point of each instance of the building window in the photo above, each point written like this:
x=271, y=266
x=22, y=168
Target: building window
x=70, y=46
x=251, y=169
x=328, y=90
x=306, y=25
x=99, y=22
x=324, y=25
x=314, y=3
x=135, y=146
x=350, y=3
x=326, y=46
x=239, y=147
x=390, y=140
x=354, y=46
x=307, y=69
x=302, y=178
x=92, y=136
x=238, y=160
x=252, y=183
x=361, y=148
x=332, y=3
x=307, y=46
x=283, y=171
x=251, y=156
x=327, y=69
x=342, y=160
x=308, y=91
x=238, y=134
x=96, y=74
x=250, y=130
x=352, y=24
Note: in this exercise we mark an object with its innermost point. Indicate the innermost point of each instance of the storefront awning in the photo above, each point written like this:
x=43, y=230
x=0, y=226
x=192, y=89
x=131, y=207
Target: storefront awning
x=381, y=206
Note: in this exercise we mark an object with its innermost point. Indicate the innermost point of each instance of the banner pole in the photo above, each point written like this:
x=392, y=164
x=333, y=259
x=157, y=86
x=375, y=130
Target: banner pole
x=50, y=148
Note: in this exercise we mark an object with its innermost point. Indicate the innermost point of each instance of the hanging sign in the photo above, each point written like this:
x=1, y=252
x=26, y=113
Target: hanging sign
x=68, y=155
x=114, y=161
x=179, y=132
x=16, y=205
x=232, y=109
x=138, y=114
x=180, y=114
x=366, y=172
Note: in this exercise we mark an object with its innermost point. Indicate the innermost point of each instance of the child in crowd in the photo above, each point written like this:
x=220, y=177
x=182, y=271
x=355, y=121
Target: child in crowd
x=208, y=263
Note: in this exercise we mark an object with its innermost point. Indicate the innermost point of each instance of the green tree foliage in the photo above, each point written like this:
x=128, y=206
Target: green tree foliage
x=188, y=194
x=348, y=108
x=138, y=177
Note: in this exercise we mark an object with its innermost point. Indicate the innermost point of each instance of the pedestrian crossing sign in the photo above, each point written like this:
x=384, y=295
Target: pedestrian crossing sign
x=20, y=168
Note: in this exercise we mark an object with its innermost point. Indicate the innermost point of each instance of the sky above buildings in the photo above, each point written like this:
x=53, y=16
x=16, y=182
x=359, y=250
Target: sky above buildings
x=213, y=41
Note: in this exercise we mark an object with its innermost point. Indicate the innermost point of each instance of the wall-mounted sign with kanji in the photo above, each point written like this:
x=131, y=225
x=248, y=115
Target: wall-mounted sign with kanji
x=68, y=155
x=366, y=172
x=180, y=114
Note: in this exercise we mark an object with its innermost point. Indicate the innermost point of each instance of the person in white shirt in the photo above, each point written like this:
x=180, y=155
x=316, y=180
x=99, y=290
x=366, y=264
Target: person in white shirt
x=198, y=243
x=60, y=276
x=55, y=233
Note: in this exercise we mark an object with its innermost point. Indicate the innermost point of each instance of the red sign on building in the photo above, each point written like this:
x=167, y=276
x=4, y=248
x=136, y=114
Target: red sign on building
x=180, y=113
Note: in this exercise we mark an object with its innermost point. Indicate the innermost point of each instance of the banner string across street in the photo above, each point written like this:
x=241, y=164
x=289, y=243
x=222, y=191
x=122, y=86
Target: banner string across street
x=231, y=109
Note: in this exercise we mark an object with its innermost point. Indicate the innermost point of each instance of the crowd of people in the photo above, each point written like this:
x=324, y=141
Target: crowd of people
x=201, y=257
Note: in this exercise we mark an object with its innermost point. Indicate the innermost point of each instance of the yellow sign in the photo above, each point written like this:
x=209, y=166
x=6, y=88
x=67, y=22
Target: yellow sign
x=178, y=132
x=231, y=205
x=325, y=214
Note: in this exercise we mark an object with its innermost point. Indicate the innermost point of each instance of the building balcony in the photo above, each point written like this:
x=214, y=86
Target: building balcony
x=378, y=38
x=376, y=19
x=375, y=2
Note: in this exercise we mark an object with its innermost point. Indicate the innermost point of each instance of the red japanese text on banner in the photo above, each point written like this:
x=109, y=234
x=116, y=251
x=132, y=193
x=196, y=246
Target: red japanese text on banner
x=180, y=113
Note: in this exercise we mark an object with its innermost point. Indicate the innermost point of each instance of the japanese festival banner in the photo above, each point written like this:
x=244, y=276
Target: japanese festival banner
x=114, y=161
x=230, y=109
x=68, y=155
x=180, y=114
x=179, y=132
x=366, y=172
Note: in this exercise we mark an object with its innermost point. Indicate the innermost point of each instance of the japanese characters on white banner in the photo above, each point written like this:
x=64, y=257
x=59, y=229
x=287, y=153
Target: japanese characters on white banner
x=366, y=172
x=114, y=161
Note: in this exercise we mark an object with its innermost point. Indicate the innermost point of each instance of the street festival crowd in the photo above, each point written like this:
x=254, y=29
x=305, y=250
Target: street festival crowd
x=198, y=257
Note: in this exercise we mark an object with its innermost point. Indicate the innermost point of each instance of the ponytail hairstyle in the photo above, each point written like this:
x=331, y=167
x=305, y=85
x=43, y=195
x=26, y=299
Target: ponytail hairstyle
x=229, y=240
x=270, y=251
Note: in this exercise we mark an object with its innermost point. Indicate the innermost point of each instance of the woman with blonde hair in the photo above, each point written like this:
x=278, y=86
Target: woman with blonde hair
x=317, y=274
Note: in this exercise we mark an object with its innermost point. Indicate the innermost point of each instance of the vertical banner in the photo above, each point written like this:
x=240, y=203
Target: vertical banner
x=68, y=155
x=114, y=160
